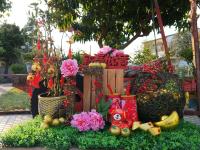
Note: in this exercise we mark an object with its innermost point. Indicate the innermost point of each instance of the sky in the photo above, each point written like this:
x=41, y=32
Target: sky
x=19, y=16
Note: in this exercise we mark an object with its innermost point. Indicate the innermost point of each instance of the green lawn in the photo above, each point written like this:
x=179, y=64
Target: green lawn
x=14, y=99
x=184, y=137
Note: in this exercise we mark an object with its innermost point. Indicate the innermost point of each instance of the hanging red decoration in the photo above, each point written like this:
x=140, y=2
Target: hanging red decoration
x=45, y=59
x=50, y=83
x=36, y=80
x=62, y=79
x=38, y=43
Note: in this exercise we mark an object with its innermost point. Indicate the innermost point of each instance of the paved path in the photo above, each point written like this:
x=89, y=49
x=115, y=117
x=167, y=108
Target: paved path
x=5, y=88
x=8, y=121
x=193, y=119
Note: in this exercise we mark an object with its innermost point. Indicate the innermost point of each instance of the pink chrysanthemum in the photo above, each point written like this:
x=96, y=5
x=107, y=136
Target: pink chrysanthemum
x=69, y=67
x=105, y=50
x=117, y=52
x=96, y=120
x=86, y=121
x=81, y=121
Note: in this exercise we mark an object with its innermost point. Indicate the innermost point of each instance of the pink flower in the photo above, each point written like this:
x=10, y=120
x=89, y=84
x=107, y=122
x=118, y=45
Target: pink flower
x=69, y=67
x=88, y=120
x=96, y=120
x=81, y=121
x=117, y=52
x=105, y=50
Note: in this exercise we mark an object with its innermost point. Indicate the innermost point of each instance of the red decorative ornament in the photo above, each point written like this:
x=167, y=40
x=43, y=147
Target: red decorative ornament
x=45, y=59
x=115, y=62
x=65, y=103
x=38, y=44
x=67, y=92
x=50, y=83
x=36, y=80
x=97, y=84
x=62, y=81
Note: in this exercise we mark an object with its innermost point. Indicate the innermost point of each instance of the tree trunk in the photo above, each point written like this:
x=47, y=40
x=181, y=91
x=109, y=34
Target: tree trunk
x=195, y=44
x=6, y=68
x=100, y=43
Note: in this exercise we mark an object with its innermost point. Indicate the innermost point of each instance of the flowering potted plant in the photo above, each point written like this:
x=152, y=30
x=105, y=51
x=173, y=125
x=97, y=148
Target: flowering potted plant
x=51, y=72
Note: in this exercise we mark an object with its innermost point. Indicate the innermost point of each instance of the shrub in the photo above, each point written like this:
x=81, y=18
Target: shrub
x=18, y=68
x=184, y=137
x=144, y=56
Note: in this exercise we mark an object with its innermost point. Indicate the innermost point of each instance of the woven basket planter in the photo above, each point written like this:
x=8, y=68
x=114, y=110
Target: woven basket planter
x=50, y=105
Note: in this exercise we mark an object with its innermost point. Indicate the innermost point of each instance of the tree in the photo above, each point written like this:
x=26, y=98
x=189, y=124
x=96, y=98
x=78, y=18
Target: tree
x=116, y=22
x=4, y=5
x=143, y=57
x=11, y=40
x=182, y=46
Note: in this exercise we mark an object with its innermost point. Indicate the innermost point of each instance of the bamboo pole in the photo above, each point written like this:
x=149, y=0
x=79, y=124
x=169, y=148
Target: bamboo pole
x=160, y=22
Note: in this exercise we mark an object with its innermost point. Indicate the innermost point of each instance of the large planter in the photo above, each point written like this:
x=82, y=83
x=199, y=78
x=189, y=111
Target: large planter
x=50, y=105
x=167, y=97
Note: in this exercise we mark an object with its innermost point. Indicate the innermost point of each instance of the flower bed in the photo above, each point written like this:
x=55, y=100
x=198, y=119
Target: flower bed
x=185, y=136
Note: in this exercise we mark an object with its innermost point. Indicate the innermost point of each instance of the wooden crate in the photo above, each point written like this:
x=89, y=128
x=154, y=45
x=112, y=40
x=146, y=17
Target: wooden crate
x=113, y=77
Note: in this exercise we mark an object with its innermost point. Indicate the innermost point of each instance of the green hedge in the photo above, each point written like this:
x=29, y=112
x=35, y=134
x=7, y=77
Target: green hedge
x=184, y=137
x=18, y=68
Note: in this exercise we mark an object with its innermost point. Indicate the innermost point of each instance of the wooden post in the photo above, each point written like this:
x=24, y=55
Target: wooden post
x=163, y=34
x=195, y=44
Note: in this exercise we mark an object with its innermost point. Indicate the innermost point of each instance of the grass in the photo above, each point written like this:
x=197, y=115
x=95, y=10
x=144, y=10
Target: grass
x=184, y=137
x=14, y=99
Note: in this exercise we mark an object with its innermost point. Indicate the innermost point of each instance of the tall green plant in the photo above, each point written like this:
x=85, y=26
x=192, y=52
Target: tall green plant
x=143, y=57
x=11, y=40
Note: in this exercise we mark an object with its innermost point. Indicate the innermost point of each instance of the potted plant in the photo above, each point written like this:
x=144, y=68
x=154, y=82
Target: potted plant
x=54, y=75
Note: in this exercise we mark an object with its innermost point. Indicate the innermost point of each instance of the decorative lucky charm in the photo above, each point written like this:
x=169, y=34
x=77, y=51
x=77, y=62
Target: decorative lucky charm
x=119, y=123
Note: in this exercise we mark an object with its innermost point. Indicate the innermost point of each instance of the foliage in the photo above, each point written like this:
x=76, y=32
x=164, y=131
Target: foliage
x=18, y=68
x=13, y=100
x=10, y=40
x=184, y=137
x=183, y=46
x=115, y=23
x=27, y=57
x=4, y=5
x=143, y=57
x=103, y=107
x=38, y=13
x=78, y=56
x=187, y=55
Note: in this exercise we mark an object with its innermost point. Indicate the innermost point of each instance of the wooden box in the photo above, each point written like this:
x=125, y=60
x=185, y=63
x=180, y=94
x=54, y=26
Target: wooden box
x=113, y=77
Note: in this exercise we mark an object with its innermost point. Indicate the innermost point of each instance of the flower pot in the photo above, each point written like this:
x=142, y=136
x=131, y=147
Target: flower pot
x=50, y=105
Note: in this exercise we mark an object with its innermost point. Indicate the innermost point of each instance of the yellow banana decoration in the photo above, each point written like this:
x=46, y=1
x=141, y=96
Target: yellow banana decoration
x=169, y=122
x=187, y=97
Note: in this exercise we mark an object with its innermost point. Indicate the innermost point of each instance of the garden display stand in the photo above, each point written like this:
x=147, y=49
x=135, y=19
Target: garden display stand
x=113, y=77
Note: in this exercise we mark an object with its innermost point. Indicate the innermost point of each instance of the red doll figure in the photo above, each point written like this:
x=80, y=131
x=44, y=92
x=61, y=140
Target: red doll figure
x=118, y=118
